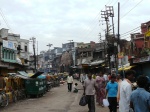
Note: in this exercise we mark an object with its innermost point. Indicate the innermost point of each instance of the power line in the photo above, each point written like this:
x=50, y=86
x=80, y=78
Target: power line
x=130, y=30
x=124, y=3
x=93, y=22
x=5, y=20
x=131, y=9
x=110, y=2
x=115, y=2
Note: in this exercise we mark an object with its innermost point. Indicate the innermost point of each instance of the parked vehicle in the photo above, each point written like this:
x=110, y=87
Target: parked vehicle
x=4, y=100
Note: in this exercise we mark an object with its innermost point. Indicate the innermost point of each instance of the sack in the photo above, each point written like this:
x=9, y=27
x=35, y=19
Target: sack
x=105, y=103
x=131, y=110
x=83, y=101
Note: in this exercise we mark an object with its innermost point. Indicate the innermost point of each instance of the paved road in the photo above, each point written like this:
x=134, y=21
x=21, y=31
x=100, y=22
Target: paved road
x=57, y=100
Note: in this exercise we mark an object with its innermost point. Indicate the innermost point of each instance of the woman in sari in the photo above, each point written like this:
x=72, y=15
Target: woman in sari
x=100, y=91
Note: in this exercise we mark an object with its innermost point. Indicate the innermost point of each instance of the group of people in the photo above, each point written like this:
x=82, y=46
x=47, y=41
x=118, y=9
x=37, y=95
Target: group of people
x=118, y=91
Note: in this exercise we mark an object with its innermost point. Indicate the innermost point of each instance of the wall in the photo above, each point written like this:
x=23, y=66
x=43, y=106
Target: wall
x=4, y=33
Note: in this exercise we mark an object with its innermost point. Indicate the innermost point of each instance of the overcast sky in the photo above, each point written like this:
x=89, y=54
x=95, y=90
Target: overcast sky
x=57, y=21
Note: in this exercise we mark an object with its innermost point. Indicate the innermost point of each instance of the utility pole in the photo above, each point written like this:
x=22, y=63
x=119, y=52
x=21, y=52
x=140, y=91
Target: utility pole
x=49, y=45
x=71, y=51
x=118, y=42
x=105, y=15
x=70, y=44
x=110, y=12
x=100, y=40
x=37, y=54
x=34, y=40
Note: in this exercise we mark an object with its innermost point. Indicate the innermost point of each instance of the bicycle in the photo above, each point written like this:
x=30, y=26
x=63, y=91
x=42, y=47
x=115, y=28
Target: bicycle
x=4, y=99
x=21, y=94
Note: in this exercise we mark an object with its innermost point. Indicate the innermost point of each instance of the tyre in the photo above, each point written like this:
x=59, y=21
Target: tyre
x=5, y=100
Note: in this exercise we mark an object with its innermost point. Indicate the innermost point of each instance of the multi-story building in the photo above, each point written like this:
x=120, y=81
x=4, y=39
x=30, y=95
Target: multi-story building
x=10, y=60
x=84, y=53
x=21, y=45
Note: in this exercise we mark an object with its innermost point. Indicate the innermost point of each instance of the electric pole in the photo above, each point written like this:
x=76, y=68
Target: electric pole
x=49, y=45
x=34, y=40
x=37, y=55
x=110, y=12
x=104, y=15
x=70, y=44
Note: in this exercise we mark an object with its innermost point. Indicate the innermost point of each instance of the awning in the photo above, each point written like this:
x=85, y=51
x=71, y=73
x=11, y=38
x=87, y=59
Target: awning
x=97, y=62
x=126, y=68
x=85, y=61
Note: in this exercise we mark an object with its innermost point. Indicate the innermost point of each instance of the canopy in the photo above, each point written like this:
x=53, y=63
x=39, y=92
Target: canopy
x=125, y=68
x=97, y=62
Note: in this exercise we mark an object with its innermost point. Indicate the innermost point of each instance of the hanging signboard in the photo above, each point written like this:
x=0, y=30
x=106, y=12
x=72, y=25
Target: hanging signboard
x=147, y=34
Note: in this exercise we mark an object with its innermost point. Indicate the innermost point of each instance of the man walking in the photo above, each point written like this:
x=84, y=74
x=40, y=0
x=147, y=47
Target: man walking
x=125, y=91
x=69, y=82
x=140, y=98
x=89, y=86
x=112, y=89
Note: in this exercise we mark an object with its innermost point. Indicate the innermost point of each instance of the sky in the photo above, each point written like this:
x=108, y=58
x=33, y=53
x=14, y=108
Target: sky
x=57, y=21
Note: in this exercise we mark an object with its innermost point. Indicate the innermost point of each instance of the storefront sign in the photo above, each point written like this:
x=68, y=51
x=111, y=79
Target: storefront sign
x=139, y=36
x=143, y=59
x=8, y=44
x=147, y=34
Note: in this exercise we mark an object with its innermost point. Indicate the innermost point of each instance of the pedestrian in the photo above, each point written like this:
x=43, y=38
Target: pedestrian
x=119, y=80
x=106, y=78
x=89, y=87
x=100, y=89
x=70, y=82
x=125, y=91
x=84, y=77
x=94, y=76
x=75, y=88
x=140, y=98
x=112, y=89
x=81, y=78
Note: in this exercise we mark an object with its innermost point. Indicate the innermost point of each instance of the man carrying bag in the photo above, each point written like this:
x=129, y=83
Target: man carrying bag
x=89, y=86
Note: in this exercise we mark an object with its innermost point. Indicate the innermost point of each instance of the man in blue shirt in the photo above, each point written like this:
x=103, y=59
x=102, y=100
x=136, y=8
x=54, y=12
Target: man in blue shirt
x=112, y=89
x=140, y=98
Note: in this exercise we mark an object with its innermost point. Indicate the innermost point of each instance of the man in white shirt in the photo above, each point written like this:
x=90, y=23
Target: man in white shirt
x=125, y=91
x=69, y=81
x=105, y=77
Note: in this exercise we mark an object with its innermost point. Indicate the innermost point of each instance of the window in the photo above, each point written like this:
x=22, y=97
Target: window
x=19, y=46
x=9, y=53
x=25, y=47
x=6, y=55
x=3, y=53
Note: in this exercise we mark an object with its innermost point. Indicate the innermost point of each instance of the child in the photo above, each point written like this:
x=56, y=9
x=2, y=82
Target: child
x=75, y=88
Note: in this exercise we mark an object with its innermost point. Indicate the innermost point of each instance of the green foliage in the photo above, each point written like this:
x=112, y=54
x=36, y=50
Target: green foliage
x=146, y=51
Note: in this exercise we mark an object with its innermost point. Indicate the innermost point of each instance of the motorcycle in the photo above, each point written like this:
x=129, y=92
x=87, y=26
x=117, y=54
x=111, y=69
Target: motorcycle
x=48, y=86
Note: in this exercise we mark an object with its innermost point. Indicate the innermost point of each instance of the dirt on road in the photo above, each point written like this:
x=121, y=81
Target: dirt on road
x=57, y=100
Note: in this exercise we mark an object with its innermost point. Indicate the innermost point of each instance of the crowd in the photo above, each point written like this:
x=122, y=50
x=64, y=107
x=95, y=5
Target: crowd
x=117, y=90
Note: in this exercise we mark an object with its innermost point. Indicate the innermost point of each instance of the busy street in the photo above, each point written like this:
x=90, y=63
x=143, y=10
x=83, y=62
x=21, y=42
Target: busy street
x=57, y=100
x=74, y=56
